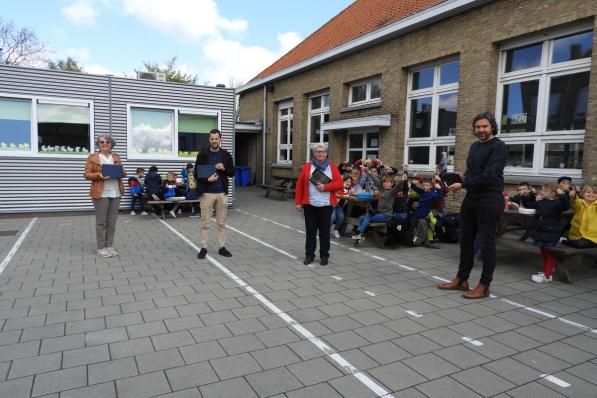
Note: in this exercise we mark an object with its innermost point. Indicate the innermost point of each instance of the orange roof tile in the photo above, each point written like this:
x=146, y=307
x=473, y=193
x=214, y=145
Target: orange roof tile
x=361, y=17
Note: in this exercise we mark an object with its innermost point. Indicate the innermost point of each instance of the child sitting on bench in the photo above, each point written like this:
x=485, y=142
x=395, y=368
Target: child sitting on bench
x=583, y=228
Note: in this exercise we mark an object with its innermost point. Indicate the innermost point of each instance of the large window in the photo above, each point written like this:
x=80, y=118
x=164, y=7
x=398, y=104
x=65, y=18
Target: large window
x=285, y=126
x=364, y=91
x=169, y=132
x=542, y=102
x=31, y=126
x=362, y=145
x=319, y=113
x=431, y=114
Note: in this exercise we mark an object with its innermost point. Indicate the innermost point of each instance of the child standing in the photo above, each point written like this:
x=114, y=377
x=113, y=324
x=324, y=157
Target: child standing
x=136, y=188
x=338, y=210
x=191, y=188
x=550, y=204
x=583, y=228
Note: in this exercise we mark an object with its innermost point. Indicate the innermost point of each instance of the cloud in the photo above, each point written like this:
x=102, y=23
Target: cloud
x=97, y=69
x=188, y=19
x=80, y=12
x=288, y=41
x=79, y=54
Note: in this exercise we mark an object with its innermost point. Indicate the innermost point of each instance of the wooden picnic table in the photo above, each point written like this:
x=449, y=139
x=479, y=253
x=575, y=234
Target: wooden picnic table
x=355, y=208
x=162, y=203
x=285, y=186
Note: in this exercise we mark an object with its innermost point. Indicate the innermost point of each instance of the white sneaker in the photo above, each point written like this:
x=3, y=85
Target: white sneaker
x=133, y=213
x=111, y=251
x=172, y=213
x=194, y=215
x=179, y=211
x=103, y=253
x=144, y=213
x=357, y=236
x=336, y=234
x=540, y=278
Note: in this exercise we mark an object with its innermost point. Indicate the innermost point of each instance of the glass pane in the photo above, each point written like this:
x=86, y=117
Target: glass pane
x=568, y=96
x=423, y=78
x=63, y=129
x=283, y=155
x=449, y=73
x=446, y=123
x=326, y=117
x=290, y=155
x=359, y=93
x=353, y=156
x=418, y=155
x=326, y=101
x=373, y=140
x=420, y=117
x=519, y=107
x=284, y=112
x=449, y=149
x=193, y=133
x=15, y=125
x=315, y=128
x=573, y=47
x=563, y=156
x=315, y=102
x=523, y=57
x=290, y=132
x=326, y=137
x=375, y=89
x=520, y=155
x=152, y=132
x=355, y=141
x=291, y=110
x=283, y=132
x=371, y=154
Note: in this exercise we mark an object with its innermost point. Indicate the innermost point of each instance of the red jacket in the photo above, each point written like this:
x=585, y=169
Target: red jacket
x=301, y=196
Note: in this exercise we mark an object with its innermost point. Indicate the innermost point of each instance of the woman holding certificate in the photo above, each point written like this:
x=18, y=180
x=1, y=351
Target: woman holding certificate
x=315, y=197
x=104, y=170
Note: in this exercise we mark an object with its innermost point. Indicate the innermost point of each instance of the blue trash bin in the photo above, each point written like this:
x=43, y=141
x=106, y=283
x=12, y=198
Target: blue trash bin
x=237, y=176
x=245, y=176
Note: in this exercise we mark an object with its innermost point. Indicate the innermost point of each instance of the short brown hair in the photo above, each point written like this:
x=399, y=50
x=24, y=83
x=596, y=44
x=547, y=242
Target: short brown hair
x=215, y=131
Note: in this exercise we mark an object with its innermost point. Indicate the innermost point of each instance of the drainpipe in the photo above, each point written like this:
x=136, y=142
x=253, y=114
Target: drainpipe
x=264, y=133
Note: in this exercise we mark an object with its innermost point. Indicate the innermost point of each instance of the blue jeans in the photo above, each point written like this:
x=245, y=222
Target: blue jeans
x=139, y=199
x=367, y=218
x=337, y=217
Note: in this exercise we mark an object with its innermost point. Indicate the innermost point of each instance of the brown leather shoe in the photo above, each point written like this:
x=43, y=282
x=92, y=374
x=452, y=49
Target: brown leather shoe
x=454, y=284
x=480, y=291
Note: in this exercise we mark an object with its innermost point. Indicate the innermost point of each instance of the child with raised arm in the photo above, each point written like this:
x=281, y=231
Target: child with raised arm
x=583, y=228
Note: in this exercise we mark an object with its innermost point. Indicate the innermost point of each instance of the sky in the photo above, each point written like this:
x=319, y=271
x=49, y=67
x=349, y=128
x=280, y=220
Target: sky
x=226, y=41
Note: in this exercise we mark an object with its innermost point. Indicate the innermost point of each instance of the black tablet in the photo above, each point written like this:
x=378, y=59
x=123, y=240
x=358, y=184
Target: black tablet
x=113, y=171
x=450, y=178
x=205, y=170
x=319, y=177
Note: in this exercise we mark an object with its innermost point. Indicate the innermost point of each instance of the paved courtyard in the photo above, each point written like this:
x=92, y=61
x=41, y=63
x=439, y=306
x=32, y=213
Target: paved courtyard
x=157, y=321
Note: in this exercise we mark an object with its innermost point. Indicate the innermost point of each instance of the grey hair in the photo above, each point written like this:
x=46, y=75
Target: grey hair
x=106, y=137
x=319, y=146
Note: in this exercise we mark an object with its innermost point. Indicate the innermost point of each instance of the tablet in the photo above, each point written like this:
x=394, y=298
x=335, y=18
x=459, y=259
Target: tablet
x=319, y=177
x=450, y=178
x=205, y=170
x=112, y=170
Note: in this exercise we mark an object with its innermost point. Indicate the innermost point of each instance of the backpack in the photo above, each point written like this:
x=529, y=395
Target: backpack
x=447, y=228
x=400, y=230
x=135, y=186
x=418, y=234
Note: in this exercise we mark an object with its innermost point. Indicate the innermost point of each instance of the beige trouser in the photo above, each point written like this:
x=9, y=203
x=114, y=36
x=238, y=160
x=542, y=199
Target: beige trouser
x=219, y=202
x=106, y=210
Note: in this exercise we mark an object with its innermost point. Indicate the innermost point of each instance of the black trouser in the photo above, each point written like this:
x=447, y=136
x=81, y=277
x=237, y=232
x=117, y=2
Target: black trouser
x=479, y=215
x=581, y=243
x=317, y=218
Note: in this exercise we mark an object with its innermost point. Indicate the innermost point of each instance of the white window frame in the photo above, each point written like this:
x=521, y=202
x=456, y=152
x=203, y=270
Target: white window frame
x=368, y=100
x=433, y=141
x=543, y=74
x=364, y=148
x=289, y=118
x=34, y=152
x=321, y=112
x=174, y=133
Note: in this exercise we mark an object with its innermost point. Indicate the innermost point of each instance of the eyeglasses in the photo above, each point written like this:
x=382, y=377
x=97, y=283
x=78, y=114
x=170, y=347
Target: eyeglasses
x=105, y=142
x=320, y=151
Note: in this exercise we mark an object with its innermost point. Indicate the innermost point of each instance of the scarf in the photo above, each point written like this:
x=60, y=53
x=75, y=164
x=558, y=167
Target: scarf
x=321, y=167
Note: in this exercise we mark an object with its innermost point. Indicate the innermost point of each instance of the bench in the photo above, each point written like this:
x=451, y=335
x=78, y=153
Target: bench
x=567, y=258
x=284, y=187
x=379, y=231
x=162, y=203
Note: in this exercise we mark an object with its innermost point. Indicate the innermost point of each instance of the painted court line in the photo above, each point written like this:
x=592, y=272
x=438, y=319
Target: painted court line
x=262, y=242
x=323, y=346
x=410, y=312
x=555, y=380
x=473, y=342
x=16, y=246
x=338, y=278
x=372, y=294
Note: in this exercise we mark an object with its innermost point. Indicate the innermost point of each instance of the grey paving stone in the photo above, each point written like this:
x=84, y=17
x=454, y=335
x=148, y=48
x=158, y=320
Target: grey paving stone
x=405, y=327
x=274, y=381
x=586, y=371
x=533, y=390
x=104, y=390
x=583, y=342
x=314, y=371
x=245, y=326
x=159, y=314
x=578, y=387
x=541, y=361
x=84, y=356
x=275, y=337
x=566, y=352
x=540, y=333
x=305, y=349
x=34, y=365
x=25, y=322
x=18, y=388
x=339, y=324
x=174, y=339
x=202, y=352
x=376, y=333
x=147, y=385
x=229, y=388
x=187, y=322
x=319, y=390
x=42, y=332
x=192, y=309
x=345, y=340
x=516, y=340
x=396, y=376
x=240, y=344
x=368, y=318
x=105, y=336
x=112, y=370
x=359, y=359
x=188, y=393
x=47, y=383
x=4, y=368
x=66, y=316
x=64, y=343
x=16, y=351
x=446, y=387
x=87, y=325
x=194, y=375
x=159, y=360
x=137, y=306
x=146, y=329
x=132, y=318
x=512, y=370
x=234, y=366
x=215, y=318
x=10, y=337
x=385, y=352
x=416, y=344
x=350, y=387
x=462, y=356
x=483, y=381
x=210, y=333
x=493, y=350
x=130, y=348
x=430, y=365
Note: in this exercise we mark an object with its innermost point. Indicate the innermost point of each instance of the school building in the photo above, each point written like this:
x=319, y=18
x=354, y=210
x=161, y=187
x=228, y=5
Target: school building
x=49, y=121
x=401, y=81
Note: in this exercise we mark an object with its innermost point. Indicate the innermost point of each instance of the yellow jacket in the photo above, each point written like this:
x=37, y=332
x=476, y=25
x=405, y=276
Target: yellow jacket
x=584, y=222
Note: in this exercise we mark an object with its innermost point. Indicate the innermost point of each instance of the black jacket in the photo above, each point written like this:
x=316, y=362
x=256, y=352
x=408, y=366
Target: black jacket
x=153, y=183
x=520, y=199
x=202, y=183
x=485, y=168
x=548, y=213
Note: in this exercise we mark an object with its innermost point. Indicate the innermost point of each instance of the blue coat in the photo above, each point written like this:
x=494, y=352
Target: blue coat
x=548, y=230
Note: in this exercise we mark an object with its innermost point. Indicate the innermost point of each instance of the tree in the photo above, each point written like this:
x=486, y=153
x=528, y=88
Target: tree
x=19, y=46
x=67, y=64
x=172, y=74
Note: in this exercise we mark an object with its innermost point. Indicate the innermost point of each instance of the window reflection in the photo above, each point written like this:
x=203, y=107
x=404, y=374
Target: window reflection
x=520, y=155
x=519, y=107
x=420, y=117
x=573, y=47
x=563, y=156
x=418, y=155
x=422, y=79
x=568, y=96
x=446, y=124
x=523, y=57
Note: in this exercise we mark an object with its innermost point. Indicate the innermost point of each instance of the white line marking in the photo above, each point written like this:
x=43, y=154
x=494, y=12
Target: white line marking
x=262, y=242
x=16, y=246
x=355, y=250
x=338, y=278
x=282, y=225
x=329, y=351
x=406, y=267
x=378, y=258
x=555, y=380
x=300, y=232
x=372, y=294
x=536, y=311
x=473, y=342
x=440, y=278
x=410, y=312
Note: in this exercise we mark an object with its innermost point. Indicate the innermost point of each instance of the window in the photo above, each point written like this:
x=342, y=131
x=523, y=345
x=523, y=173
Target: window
x=364, y=91
x=168, y=132
x=431, y=109
x=543, y=89
x=32, y=126
x=362, y=145
x=285, y=126
x=319, y=113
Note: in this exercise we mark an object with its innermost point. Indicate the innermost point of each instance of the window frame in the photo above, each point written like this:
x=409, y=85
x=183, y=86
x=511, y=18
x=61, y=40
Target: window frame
x=290, y=119
x=435, y=91
x=176, y=110
x=321, y=112
x=34, y=152
x=368, y=100
x=544, y=73
x=364, y=133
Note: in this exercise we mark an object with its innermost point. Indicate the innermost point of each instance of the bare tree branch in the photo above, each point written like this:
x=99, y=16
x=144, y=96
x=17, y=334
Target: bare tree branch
x=19, y=46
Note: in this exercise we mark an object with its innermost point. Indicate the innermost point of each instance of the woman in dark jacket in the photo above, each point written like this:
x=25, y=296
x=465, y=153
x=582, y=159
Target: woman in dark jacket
x=551, y=203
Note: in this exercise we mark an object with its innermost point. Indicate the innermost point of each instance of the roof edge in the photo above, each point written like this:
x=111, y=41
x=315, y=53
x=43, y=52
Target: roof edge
x=411, y=22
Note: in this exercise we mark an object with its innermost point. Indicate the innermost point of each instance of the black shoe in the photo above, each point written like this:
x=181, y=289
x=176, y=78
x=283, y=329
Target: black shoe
x=308, y=260
x=202, y=254
x=323, y=261
x=224, y=252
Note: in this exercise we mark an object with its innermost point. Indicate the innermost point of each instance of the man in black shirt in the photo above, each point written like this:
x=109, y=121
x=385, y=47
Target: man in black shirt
x=214, y=191
x=482, y=206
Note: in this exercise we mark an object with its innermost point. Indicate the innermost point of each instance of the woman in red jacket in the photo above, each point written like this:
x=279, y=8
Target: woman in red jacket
x=316, y=200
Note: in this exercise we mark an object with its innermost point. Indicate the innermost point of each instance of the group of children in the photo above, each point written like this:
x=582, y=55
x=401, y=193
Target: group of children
x=153, y=187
